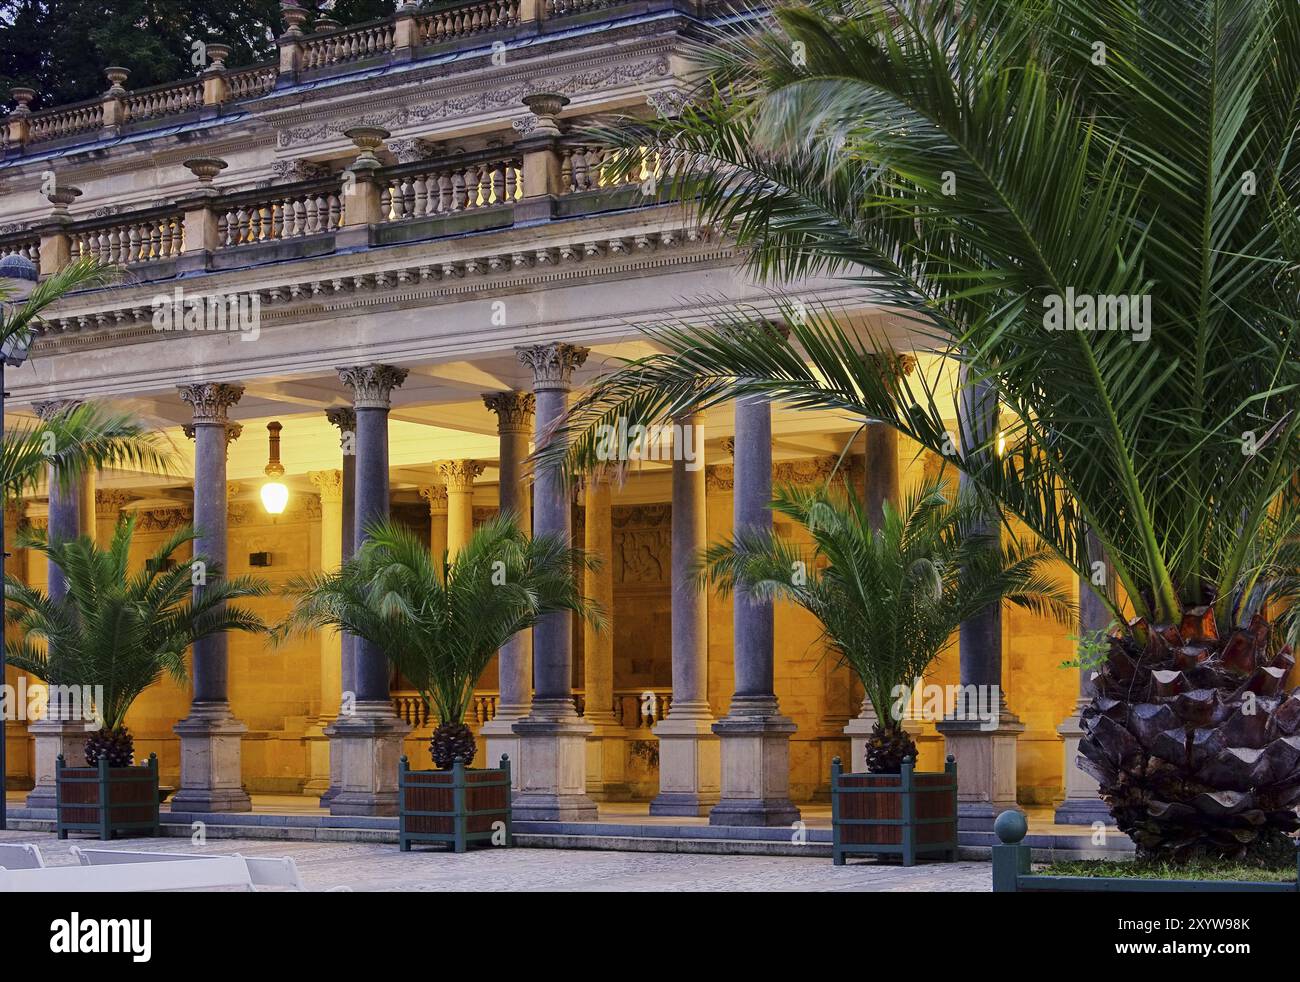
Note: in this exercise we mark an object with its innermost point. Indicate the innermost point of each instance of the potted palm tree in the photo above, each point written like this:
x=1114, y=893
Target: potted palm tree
x=114, y=634
x=889, y=601
x=440, y=622
x=1012, y=177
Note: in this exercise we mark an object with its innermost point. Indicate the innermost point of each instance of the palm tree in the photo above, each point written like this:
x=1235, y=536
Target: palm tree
x=888, y=599
x=118, y=632
x=980, y=165
x=441, y=622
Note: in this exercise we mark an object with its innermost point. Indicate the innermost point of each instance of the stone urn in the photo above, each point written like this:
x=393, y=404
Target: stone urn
x=368, y=139
x=61, y=197
x=546, y=106
x=294, y=17
x=116, y=76
x=23, y=96
x=205, y=168
x=217, y=55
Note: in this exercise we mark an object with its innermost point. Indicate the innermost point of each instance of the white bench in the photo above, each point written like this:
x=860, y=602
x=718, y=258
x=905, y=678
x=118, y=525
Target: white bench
x=20, y=856
x=263, y=872
x=174, y=874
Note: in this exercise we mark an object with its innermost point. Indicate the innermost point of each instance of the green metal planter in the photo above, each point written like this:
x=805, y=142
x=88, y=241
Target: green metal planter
x=454, y=807
x=106, y=800
x=1011, y=862
x=910, y=814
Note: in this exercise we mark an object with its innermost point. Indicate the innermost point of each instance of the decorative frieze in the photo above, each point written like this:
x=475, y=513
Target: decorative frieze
x=615, y=74
x=210, y=401
x=552, y=364
x=372, y=385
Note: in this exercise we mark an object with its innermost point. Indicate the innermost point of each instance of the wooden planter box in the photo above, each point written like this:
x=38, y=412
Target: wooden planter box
x=456, y=807
x=106, y=800
x=1011, y=863
x=909, y=814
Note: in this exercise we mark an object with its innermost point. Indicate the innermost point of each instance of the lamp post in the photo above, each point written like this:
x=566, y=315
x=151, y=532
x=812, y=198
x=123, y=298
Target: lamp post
x=17, y=277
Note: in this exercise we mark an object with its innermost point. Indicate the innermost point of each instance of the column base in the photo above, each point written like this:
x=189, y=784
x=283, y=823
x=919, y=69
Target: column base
x=607, y=762
x=54, y=737
x=498, y=737
x=1082, y=804
x=755, y=753
x=986, y=768
x=690, y=766
x=368, y=745
x=210, y=772
x=553, y=766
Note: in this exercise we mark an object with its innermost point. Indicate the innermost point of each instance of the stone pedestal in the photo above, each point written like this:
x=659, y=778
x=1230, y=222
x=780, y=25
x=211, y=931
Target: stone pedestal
x=210, y=778
x=367, y=746
x=607, y=763
x=54, y=737
x=755, y=753
x=690, y=765
x=553, y=768
x=986, y=769
x=1082, y=804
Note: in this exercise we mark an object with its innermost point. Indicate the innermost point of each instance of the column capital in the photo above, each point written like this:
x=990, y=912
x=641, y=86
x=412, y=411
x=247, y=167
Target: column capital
x=552, y=364
x=46, y=411
x=233, y=430
x=458, y=475
x=372, y=385
x=112, y=499
x=894, y=363
x=514, y=409
x=344, y=417
x=436, y=496
x=210, y=401
x=329, y=482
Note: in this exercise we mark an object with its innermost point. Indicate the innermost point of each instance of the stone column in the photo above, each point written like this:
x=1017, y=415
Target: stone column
x=985, y=752
x=17, y=759
x=330, y=485
x=1082, y=804
x=514, y=411
x=755, y=737
x=436, y=495
x=458, y=478
x=606, y=765
x=57, y=733
x=689, y=757
x=345, y=418
x=552, y=738
x=369, y=740
x=210, y=734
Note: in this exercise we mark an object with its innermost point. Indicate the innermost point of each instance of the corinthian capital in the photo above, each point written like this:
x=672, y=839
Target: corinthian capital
x=210, y=401
x=514, y=409
x=458, y=475
x=48, y=410
x=372, y=385
x=436, y=496
x=330, y=484
x=552, y=364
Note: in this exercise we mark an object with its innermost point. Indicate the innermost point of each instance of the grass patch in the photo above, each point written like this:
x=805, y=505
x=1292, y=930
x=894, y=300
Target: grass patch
x=1203, y=870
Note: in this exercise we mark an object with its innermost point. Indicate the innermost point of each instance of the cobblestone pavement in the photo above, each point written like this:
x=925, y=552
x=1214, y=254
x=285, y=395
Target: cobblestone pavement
x=363, y=866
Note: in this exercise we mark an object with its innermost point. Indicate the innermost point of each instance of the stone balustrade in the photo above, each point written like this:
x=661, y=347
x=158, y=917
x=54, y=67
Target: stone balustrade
x=249, y=83
x=467, y=20
x=565, y=8
x=134, y=239
x=55, y=124
x=25, y=244
x=280, y=213
x=587, y=167
x=635, y=709
x=162, y=100
x=445, y=188
x=354, y=44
